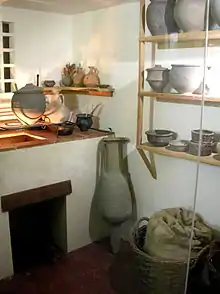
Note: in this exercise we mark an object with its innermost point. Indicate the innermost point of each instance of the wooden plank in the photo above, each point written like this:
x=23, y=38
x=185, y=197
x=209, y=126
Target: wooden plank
x=211, y=160
x=141, y=73
x=16, y=200
x=182, y=37
x=105, y=92
x=180, y=97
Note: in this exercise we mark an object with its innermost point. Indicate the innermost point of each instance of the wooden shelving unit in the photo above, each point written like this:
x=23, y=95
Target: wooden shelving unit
x=105, y=92
x=172, y=41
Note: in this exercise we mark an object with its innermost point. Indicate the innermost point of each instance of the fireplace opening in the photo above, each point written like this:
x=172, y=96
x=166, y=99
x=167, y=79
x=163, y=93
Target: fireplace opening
x=38, y=233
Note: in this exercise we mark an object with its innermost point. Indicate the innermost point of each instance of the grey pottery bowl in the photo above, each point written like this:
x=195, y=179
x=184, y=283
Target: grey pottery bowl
x=178, y=145
x=185, y=78
x=160, y=138
x=207, y=136
x=206, y=148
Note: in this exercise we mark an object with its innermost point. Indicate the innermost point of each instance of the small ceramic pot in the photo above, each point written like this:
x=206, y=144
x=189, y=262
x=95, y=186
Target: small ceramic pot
x=178, y=145
x=92, y=79
x=207, y=136
x=185, y=78
x=190, y=14
x=206, y=149
x=67, y=81
x=159, y=16
x=160, y=138
x=157, y=77
x=78, y=77
x=66, y=129
x=49, y=83
x=215, y=11
x=84, y=121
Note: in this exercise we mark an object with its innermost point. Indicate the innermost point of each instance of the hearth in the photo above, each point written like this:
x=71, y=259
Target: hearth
x=37, y=220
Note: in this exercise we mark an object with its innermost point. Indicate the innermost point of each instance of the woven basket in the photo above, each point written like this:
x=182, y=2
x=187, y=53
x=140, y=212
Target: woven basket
x=156, y=276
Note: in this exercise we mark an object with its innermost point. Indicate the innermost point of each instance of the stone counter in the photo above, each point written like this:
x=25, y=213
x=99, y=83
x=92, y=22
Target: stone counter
x=29, y=168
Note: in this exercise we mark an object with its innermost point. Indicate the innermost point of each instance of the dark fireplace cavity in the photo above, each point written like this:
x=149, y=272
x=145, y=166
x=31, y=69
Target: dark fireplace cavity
x=37, y=221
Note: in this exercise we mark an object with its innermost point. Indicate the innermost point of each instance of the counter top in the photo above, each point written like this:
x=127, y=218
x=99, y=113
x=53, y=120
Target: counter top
x=10, y=140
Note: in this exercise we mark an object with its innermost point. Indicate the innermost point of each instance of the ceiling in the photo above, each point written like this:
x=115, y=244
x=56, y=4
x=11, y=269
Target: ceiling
x=63, y=6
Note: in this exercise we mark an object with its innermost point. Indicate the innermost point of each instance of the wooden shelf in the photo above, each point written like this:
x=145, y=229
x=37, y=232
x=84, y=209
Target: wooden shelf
x=182, y=37
x=184, y=40
x=181, y=98
x=163, y=151
x=106, y=92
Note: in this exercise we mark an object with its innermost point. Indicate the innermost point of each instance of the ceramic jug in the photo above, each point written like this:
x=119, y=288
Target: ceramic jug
x=78, y=77
x=190, y=15
x=92, y=79
x=112, y=188
x=159, y=16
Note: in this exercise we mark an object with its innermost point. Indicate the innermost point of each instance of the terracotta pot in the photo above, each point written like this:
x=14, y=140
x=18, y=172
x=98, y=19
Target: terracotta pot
x=190, y=15
x=159, y=16
x=78, y=77
x=185, y=78
x=215, y=11
x=157, y=77
x=92, y=79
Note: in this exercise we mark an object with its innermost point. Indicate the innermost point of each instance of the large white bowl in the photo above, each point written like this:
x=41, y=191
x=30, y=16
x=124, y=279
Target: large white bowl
x=185, y=78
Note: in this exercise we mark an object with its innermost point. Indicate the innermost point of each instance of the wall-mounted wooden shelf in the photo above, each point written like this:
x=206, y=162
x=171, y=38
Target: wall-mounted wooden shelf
x=182, y=37
x=181, y=98
x=163, y=151
x=105, y=92
x=183, y=40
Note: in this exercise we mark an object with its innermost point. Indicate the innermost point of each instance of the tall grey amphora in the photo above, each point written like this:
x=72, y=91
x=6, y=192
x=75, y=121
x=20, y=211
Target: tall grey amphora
x=112, y=190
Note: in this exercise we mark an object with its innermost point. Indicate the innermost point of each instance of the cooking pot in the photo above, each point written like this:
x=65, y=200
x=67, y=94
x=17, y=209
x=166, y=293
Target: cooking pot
x=29, y=104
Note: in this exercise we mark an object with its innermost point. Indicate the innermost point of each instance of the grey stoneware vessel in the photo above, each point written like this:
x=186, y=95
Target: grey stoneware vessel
x=185, y=78
x=159, y=17
x=215, y=11
x=157, y=77
x=190, y=14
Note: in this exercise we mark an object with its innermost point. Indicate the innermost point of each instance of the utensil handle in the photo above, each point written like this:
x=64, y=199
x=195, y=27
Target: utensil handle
x=61, y=97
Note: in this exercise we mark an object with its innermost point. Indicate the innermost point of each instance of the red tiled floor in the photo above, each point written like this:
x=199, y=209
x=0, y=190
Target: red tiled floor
x=84, y=271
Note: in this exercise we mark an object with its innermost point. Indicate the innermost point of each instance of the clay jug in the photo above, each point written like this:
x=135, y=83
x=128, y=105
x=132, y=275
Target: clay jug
x=190, y=15
x=160, y=19
x=92, y=79
x=112, y=186
x=78, y=77
x=112, y=190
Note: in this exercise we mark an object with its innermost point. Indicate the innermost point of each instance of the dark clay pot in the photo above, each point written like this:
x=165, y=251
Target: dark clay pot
x=159, y=17
x=84, y=121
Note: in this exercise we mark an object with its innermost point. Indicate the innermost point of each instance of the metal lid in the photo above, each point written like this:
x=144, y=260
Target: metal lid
x=29, y=89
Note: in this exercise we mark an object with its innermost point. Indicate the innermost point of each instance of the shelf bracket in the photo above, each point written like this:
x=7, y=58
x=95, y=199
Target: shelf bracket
x=150, y=163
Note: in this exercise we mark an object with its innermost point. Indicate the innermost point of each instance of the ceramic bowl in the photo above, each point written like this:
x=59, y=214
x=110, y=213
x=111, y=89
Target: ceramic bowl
x=185, y=78
x=207, y=136
x=206, y=149
x=178, y=145
x=160, y=138
x=49, y=83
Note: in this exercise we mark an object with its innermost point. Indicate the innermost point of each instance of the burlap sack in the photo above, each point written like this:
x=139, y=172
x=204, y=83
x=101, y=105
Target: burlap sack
x=169, y=231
